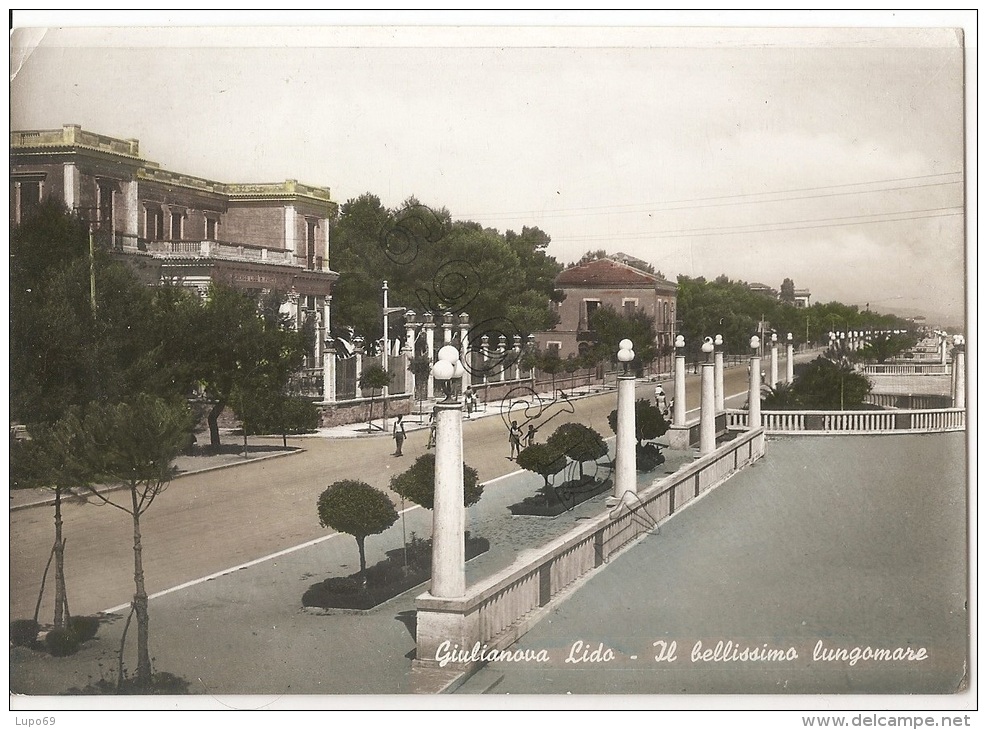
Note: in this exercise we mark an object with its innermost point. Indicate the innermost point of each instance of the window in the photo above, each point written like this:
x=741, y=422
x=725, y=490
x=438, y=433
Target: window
x=154, y=224
x=591, y=306
x=629, y=306
x=28, y=195
x=104, y=201
x=554, y=347
x=313, y=226
x=212, y=228
x=177, y=217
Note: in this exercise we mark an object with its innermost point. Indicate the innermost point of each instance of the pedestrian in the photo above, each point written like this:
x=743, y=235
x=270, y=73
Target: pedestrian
x=661, y=400
x=515, y=438
x=431, y=431
x=470, y=397
x=530, y=436
x=399, y=435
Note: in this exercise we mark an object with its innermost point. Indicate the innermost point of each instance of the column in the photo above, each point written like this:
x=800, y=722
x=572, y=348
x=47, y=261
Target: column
x=448, y=514
x=707, y=412
x=329, y=373
x=625, y=472
x=754, y=394
x=430, y=353
x=70, y=187
x=774, y=366
x=959, y=377
x=517, y=357
x=718, y=380
x=678, y=412
x=790, y=364
x=503, y=357
x=485, y=355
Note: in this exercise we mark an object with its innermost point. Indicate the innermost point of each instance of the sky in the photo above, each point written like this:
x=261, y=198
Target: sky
x=834, y=156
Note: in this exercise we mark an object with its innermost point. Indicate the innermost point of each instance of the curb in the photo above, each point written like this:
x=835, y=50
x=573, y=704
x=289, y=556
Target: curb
x=73, y=497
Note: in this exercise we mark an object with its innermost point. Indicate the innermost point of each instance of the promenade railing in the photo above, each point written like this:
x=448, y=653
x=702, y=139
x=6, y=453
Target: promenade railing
x=906, y=369
x=857, y=422
x=496, y=611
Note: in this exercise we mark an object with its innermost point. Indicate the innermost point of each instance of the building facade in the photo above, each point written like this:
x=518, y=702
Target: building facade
x=181, y=229
x=608, y=283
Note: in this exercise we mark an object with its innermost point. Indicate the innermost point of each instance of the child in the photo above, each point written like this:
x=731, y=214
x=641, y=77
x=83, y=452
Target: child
x=515, y=439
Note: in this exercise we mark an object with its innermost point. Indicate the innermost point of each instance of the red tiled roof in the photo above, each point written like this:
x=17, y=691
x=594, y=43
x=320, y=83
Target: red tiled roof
x=605, y=272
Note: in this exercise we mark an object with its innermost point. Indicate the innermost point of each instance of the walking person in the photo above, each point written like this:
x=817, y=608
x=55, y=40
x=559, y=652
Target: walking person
x=529, y=438
x=470, y=397
x=661, y=400
x=431, y=431
x=515, y=438
x=399, y=435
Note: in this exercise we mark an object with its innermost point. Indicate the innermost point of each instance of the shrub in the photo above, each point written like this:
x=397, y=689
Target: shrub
x=61, y=642
x=418, y=483
x=84, y=627
x=23, y=632
x=579, y=442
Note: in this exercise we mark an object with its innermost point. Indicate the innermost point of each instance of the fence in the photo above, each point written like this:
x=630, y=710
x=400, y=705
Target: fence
x=906, y=369
x=498, y=610
x=860, y=422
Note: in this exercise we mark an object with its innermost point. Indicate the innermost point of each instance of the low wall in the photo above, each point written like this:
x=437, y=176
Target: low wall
x=357, y=410
x=498, y=610
x=823, y=423
x=889, y=400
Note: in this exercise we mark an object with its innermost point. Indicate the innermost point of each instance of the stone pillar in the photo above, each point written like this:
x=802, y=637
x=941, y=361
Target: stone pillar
x=678, y=412
x=430, y=354
x=409, y=340
x=70, y=185
x=517, y=357
x=625, y=472
x=448, y=514
x=503, y=358
x=358, y=344
x=774, y=366
x=790, y=364
x=446, y=328
x=707, y=411
x=942, y=350
x=718, y=380
x=329, y=372
x=754, y=394
x=959, y=378
x=485, y=355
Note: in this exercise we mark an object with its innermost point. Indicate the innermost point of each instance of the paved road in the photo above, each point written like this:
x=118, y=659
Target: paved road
x=209, y=522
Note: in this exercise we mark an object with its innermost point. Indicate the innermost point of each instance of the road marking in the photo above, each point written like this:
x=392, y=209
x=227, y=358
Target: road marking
x=249, y=564
x=310, y=543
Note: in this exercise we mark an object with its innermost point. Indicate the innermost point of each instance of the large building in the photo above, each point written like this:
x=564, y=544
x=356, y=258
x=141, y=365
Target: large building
x=182, y=229
x=608, y=283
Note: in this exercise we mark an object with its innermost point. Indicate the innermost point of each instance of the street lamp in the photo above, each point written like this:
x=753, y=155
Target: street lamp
x=625, y=457
x=446, y=369
x=678, y=406
x=707, y=406
x=754, y=386
x=718, y=372
x=790, y=362
x=625, y=354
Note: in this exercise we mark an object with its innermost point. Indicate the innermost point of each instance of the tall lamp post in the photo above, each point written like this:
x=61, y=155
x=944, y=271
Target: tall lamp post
x=678, y=409
x=754, y=386
x=625, y=473
x=718, y=372
x=707, y=415
x=790, y=362
x=774, y=361
x=448, y=514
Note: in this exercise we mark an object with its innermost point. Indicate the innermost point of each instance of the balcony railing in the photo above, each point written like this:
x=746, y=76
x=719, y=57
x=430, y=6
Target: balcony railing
x=218, y=250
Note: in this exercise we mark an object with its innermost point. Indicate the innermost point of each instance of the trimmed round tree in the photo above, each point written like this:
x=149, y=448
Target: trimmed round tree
x=542, y=459
x=357, y=509
x=649, y=423
x=580, y=443
x=417, y=484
